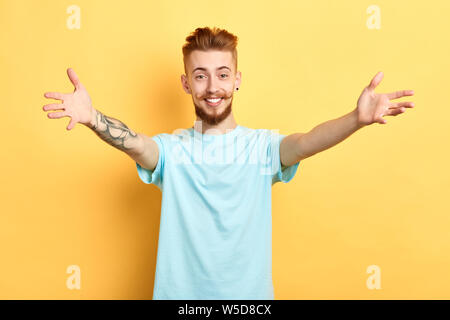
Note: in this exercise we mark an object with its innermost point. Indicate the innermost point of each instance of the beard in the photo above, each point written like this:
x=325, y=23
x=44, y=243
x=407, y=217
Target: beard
x=213, y=117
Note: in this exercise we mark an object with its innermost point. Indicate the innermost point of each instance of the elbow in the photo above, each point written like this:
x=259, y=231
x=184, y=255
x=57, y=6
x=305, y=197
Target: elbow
x=138, y=146
x=300, y=150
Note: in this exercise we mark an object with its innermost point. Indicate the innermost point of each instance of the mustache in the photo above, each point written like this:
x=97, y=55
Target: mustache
x=218, y=95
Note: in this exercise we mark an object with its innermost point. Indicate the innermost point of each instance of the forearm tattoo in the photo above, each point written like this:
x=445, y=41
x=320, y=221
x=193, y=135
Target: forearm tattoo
x=114, y=132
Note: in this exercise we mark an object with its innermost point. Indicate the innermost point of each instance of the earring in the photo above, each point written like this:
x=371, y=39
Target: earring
x=237, y=88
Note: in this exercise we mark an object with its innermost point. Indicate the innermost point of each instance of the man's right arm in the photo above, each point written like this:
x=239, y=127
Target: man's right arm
x=139, y=147
x=78, y=106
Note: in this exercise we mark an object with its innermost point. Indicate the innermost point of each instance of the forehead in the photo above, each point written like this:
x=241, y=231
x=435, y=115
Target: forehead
x=210, y=60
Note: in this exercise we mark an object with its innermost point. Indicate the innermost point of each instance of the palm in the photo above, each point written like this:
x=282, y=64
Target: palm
x=80, y=105
x=371, y=106
x=76, y=105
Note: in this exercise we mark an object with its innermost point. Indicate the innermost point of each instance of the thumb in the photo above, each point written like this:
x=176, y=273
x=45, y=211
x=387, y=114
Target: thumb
x=73, y=78
x=376, y=80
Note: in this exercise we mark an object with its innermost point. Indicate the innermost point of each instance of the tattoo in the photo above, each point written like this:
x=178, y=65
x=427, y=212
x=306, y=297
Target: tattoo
x=114, y=132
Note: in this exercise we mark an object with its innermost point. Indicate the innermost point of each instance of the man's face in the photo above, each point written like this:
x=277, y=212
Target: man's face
x=211, y=74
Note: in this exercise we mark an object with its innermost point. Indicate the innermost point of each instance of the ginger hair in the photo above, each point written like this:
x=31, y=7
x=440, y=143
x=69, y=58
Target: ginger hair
x=210, y=39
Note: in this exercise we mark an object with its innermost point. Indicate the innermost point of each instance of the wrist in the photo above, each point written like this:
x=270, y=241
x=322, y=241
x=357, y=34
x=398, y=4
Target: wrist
x=93, y=121
x=356, y=120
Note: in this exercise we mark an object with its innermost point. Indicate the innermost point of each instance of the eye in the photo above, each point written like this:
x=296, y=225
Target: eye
x=224, y=74
x=198, y=76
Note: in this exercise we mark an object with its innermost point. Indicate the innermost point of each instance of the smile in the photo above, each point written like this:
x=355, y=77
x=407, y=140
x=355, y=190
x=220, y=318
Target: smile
x=213, y=102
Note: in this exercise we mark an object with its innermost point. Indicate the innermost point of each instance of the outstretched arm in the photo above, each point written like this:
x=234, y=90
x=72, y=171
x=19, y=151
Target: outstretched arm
x=371, y=108
x=78, y=107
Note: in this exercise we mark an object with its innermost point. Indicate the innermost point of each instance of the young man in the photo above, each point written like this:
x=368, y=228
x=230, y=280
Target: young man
x=216, y=177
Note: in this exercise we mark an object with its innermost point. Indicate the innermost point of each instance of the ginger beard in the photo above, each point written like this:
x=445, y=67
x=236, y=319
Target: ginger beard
x=212, y=115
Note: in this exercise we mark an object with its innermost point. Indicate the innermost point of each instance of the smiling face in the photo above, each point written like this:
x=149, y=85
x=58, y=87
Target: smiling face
x=211, y=75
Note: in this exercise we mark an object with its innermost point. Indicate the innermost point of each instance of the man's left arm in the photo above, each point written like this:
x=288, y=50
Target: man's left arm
x=371, y=107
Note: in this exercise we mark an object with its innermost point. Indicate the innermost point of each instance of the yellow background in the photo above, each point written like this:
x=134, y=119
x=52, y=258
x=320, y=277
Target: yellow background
x=378, y=198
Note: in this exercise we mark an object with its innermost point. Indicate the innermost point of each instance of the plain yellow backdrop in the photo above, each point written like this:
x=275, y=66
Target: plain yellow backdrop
x=378, y=198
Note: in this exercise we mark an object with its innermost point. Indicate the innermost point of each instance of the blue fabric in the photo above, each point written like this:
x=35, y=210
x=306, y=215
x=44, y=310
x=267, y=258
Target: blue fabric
x=215, y=238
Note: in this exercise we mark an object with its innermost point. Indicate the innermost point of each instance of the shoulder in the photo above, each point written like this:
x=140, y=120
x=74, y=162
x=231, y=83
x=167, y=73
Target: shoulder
x=178, y=135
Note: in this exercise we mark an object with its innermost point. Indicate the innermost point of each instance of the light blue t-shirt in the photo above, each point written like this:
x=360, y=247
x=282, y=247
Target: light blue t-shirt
x=215, y=236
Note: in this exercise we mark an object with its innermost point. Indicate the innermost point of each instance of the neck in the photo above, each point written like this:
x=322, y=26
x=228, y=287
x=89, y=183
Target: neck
x=227, y=125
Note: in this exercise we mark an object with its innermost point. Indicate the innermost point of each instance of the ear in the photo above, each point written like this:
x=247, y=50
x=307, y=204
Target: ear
x=237, y=83
x=185, y=84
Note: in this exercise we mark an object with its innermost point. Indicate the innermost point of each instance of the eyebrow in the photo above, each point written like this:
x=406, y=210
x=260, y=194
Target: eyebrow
x=200, y=68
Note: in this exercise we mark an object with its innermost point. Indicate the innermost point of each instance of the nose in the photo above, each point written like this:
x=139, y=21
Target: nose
x=212, y=85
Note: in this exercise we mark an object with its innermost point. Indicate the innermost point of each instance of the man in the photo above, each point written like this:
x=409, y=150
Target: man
x=216, y=177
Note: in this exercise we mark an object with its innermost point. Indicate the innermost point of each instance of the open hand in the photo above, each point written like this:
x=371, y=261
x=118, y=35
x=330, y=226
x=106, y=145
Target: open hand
x=76, y=105
x=372, y=107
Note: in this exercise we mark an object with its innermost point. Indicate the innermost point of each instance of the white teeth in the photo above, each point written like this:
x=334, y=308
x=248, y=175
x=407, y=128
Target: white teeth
x=213, y=100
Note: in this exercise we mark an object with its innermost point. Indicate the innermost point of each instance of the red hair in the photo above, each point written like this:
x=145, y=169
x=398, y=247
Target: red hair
x=210, y=39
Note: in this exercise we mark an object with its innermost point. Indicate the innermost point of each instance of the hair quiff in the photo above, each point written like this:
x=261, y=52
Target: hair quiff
x=205, y=39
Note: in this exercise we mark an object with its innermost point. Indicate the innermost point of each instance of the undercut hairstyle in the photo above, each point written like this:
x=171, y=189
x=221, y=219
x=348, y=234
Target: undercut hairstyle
x=205, y=39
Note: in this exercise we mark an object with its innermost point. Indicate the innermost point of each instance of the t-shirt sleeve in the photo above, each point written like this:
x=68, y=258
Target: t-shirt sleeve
x=155, y=176
x=280, y=172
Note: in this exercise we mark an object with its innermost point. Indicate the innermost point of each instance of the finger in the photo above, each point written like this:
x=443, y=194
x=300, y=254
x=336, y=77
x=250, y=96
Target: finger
x=399, y=94
x=55, y=95
x=57, y=115
x=375, y=81
x=380, y=113
x=394, y=112
x=72, y=124
x=406, y=104
x=381, y=109
x=73, y=78
x=53, y=106
x=379, y=117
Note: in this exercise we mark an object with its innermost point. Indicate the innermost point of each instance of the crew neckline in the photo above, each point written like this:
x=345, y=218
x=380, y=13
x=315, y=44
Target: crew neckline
x=231, y=133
